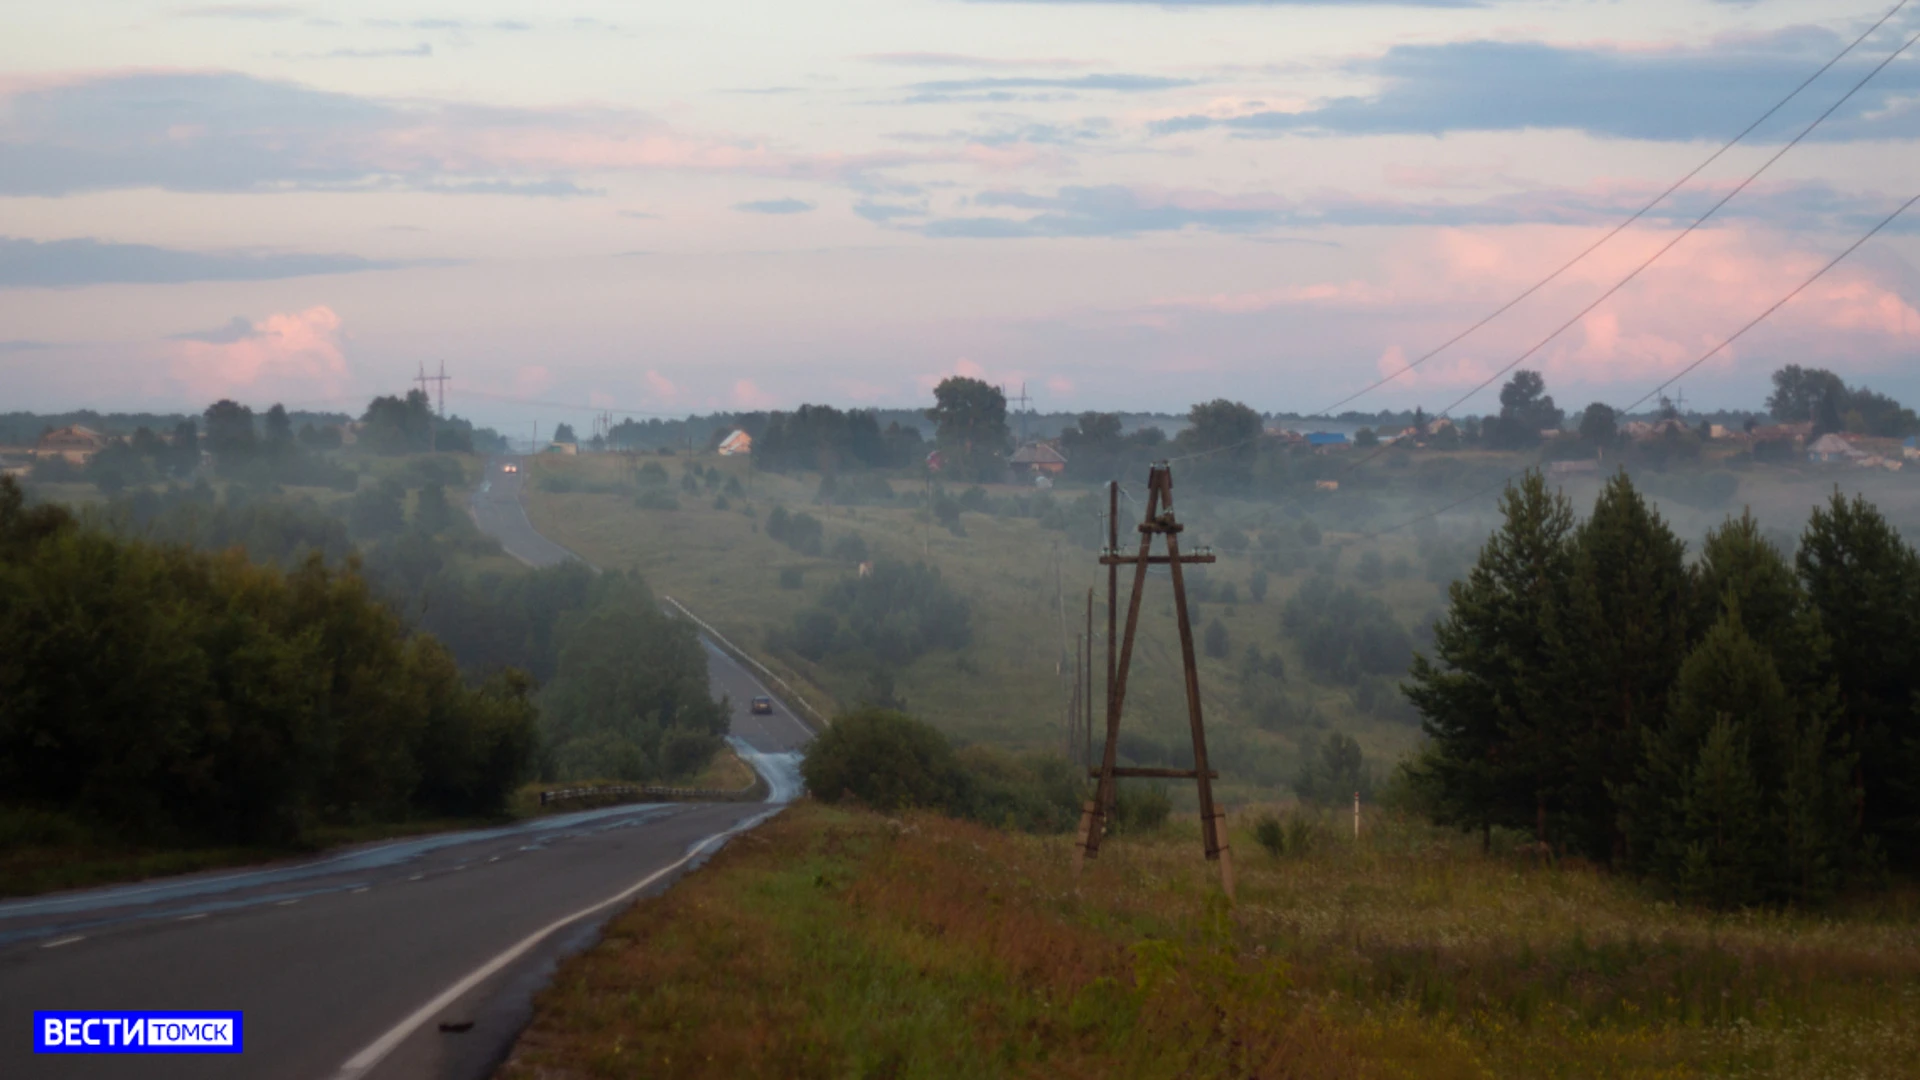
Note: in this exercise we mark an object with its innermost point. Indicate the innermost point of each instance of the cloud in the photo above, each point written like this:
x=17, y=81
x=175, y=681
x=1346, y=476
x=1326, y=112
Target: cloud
x=774, y=206
x=419, y=51
x=1634, y=93
x=296, y=351
x=243, y=12
x=1177, y=4
x=228, y=132
x=214, y=132
x=1431, y=284
x=661, y=387
x=748, y=395
x=964, y=60
x=72, y=263
x=1007, y=88
x=1121, y=211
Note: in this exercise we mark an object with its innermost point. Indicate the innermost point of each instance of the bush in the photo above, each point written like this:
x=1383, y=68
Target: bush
x=1343, y=634
x=791, y=577
x=657, y=499
x=1141, y=809
x=1270, y=834
x=885, y=759
x=850, y=548
x=1217, y=644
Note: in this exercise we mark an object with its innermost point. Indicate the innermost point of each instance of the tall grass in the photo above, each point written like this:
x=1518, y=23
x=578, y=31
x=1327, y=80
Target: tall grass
x=838, y=943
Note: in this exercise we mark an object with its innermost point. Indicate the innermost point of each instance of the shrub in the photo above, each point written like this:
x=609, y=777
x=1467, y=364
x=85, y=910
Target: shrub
x=1270, y=834
x=851, y=548
x=791, y=577
x=1216, y=643
x=885, y=759
x=656, y=499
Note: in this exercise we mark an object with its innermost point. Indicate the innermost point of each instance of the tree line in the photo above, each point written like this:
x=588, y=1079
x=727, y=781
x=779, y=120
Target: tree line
x=1740, y=728
x=161, y=694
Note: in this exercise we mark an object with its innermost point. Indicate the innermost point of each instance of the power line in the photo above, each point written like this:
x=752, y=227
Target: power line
x=1684, y=233
x=1664, y=248
x=1715, y=208
x=1636, y=216
x=1682, y=373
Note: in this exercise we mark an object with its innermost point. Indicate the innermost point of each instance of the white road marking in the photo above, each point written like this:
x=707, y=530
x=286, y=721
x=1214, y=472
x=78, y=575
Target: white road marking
x=363, y=888
x=416, y=877
x=57, y=942
x=376, y=1051
x=190, y=918
x=286, y=903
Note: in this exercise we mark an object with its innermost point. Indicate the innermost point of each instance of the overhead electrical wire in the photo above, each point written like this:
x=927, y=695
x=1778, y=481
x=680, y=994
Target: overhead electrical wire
x=1701, y=359
x=1617, y=229
x=1637, y=215
x=1662, y=250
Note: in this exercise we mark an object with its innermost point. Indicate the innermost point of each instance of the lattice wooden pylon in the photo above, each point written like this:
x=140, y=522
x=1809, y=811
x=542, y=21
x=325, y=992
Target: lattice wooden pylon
x=1158, y=521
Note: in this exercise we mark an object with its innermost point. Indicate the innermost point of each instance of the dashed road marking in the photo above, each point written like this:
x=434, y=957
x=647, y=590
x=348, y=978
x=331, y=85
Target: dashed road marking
x=57, y=942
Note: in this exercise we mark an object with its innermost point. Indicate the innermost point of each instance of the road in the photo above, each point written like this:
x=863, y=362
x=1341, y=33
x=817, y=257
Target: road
x=348, y=965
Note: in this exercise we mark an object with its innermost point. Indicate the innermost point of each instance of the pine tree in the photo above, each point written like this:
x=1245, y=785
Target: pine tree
x=1617, y=644
x=1722, y=827
x=1789, y=755
x=1475, y=697
x=1739, y=566
x=1865, y=582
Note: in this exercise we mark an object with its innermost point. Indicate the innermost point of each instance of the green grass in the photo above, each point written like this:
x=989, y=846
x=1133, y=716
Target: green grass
x=842, y=943
x=1024, y=582
x=1009, y=686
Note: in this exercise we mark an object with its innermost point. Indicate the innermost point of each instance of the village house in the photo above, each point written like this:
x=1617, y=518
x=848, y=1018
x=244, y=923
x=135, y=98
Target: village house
x=75, y=443
x=739, y=442
x=1039, y=458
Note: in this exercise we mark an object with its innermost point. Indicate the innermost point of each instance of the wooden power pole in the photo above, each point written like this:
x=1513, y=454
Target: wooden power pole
x=1098, y=812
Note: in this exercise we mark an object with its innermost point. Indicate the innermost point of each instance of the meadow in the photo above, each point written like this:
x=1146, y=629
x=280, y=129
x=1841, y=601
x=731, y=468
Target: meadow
x=835, y=942
x=1027, y=586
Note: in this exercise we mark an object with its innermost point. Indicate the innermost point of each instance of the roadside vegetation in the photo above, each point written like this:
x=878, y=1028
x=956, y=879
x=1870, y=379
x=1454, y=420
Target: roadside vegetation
x=840, y=942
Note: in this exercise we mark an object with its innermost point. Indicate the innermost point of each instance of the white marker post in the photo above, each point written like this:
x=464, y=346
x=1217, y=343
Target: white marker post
x=1356, y=816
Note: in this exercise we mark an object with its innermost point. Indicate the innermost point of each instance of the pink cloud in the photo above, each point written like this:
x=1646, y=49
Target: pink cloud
x=291, y=353
x=661, y=386
x=746, y=395
x=1432, y=284
x=532, y=379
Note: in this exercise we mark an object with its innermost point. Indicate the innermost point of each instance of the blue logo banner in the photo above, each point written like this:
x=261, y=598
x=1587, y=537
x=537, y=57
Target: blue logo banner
x=122, y=1032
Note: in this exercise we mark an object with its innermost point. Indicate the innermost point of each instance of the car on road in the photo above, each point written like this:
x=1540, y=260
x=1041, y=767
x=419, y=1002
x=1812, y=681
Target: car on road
x=762, y=706
x=509, y=467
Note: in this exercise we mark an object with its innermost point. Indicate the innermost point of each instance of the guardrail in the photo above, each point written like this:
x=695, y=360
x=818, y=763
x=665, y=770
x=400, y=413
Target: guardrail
x=648, y=791
x=792, y=695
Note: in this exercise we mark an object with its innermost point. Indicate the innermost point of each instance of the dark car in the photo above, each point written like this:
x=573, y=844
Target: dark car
x=762, y=705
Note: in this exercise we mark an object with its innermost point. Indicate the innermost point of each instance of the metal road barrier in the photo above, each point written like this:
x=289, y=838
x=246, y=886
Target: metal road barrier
x=792, y=695
x=647, y=791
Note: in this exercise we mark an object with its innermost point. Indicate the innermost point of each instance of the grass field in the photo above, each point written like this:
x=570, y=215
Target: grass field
x=841, y=943
x=1027, y=586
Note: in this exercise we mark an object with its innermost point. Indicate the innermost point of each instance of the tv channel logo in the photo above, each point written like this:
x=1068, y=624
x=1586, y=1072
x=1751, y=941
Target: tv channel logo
x=137, y=1032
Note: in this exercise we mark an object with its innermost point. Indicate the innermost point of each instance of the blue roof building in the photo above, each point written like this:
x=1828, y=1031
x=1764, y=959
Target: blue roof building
x=1326, y=438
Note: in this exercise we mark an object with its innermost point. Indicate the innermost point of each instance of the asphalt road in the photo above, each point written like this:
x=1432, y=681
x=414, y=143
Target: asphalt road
x=348, y=965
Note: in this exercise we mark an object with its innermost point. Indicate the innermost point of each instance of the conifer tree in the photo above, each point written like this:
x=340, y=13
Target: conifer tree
x=1865, y=582
x=1739, y=566
x=1721, y=820
x=1617, y=644
x=1788, y=754
x=1477, y=694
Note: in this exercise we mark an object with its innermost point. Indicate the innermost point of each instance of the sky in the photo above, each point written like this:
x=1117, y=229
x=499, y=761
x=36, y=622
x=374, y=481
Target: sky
x=665, y=208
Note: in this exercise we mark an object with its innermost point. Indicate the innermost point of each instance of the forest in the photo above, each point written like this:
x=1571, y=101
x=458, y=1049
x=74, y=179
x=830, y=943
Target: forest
x=1740, y=728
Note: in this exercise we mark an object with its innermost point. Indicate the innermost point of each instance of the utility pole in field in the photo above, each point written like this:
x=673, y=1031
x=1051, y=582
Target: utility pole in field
x=1098, y=814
